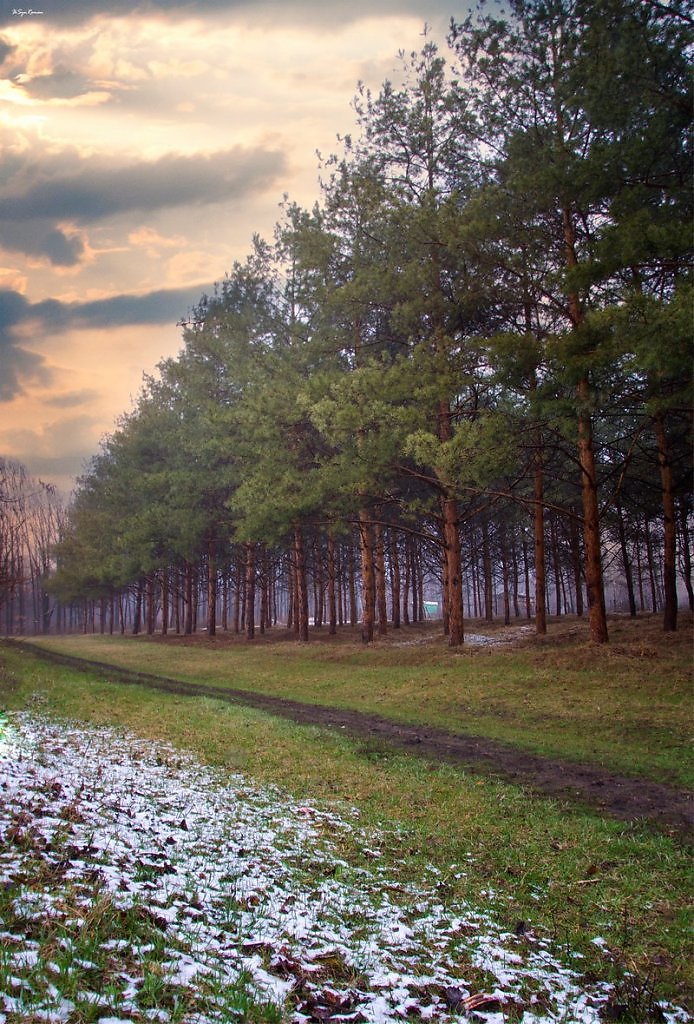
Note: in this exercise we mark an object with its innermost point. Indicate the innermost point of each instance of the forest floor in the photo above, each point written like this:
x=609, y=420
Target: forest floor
x=623, y=796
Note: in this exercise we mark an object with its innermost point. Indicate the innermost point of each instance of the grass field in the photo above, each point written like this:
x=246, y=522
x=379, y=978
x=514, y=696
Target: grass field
x=624, y=706
x=565, y=872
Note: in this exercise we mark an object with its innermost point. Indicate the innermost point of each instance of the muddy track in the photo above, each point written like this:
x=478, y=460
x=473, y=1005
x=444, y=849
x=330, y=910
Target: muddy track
x=621, y=796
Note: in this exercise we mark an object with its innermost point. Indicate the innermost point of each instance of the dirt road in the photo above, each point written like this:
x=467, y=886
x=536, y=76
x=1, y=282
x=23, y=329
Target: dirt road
x=626, y=797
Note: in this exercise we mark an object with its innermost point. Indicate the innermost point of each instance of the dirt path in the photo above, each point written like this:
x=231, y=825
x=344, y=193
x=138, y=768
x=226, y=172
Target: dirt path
x=621, y=796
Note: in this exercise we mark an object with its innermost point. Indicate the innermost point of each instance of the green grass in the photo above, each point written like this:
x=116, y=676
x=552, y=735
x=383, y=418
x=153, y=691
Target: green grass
x=95, y=979
x=562, y=871
x=624, y=706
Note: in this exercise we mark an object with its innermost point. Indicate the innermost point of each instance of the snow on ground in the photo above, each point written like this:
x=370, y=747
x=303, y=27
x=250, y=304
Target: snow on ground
x=501, y=636
x=496, y=639
x=246, y=893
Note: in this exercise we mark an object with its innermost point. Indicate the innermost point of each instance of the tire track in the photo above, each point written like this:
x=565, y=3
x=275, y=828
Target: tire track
x=625, y=797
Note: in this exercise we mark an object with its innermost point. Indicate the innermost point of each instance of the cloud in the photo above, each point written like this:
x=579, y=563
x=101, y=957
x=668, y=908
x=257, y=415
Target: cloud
x=51, y=438
x=13, y=308
x=40, y=238
x=62, y=249
x=165, y=305
x=159, y=307
x=18, y=364
x=60, y=470
x=6, y=49
x=153, y=242
x=71, y=399
x=62, y=83
x=323, y=16
x=94, y=191
x=12, y=279
x=19, y=318
x=50, y=189
x=58, y=450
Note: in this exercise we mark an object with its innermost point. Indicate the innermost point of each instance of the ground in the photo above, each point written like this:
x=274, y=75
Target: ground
x=619, y=795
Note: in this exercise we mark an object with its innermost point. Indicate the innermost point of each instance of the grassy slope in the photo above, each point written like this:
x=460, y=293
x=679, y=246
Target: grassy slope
x=623, y=706
x=570, y=873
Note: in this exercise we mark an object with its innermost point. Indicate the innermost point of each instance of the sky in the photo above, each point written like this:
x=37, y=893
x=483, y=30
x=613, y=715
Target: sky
x=142, y=144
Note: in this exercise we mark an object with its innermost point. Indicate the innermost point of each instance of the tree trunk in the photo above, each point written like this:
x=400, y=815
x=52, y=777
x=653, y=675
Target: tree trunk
x=188, y=598
x=250, y=590
x=554, y=541
x=505, y=575
x=669, y=527
x=451, y=538
x=586, y=455
x=516, y=579
x=164, y=602
x=341, y=585
x=526, y=576
x=575, y=542
x=318, y=588
x=351, y=580
x=196, y=599
x=45, y=612
x=626, y=562
x=211, y=587
x=597, y=614
x=301, y=584
x=414, y=579
x=445, y=595
x=137, y=617
x=176, y=597
x=406, y=584
x=264, y=592
x=332, y=603
x=149, y=604
x=237, y=596
x=295, y=596
x=380, y=578
x=651, y=566
x=291, y=603
x=639, y=572
x=539, y=538
x=367, y=575
x=394, y=580
x=487, y=570
x=22, y=609
x=686, y=553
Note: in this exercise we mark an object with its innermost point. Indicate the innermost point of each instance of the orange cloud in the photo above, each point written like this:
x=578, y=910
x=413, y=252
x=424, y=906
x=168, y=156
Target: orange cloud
x=153, y=242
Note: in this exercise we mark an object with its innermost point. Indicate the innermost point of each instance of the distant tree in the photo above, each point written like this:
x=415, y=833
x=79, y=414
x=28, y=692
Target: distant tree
x=14, y=484
x=31, y=516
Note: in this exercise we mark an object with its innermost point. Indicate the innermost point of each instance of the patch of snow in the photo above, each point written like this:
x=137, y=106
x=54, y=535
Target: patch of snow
x=501, y=636
x=240, y=882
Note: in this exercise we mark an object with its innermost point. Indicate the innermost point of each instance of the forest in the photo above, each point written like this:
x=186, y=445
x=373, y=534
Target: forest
x=457, y=387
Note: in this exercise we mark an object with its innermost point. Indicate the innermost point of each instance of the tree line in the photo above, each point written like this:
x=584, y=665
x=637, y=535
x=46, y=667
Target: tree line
x=463, y=376
x=32, y=516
